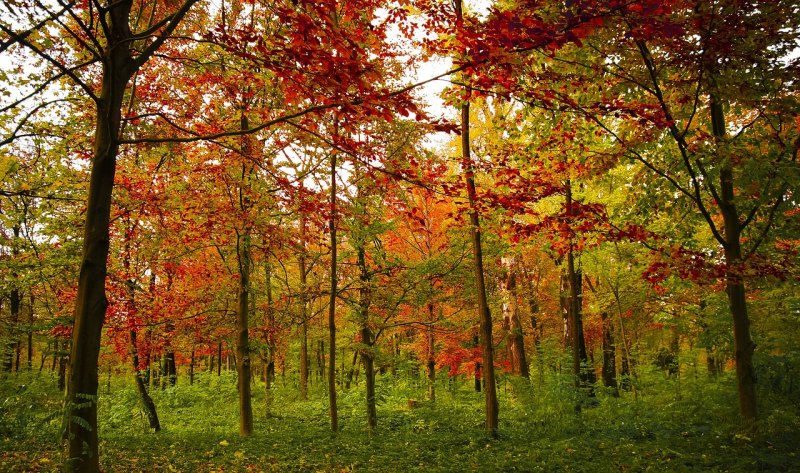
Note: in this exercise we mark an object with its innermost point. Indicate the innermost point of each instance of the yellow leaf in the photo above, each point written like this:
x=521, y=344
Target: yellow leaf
x=224, y=443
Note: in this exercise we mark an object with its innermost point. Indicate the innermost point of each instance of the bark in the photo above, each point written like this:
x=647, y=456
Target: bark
x=62, y=365
x=734, y=284
x=584, y=375
x=334, y=415
x=431, y=354
x=219, y=358
x=91, y=302
x=609, y=355
x=118, y=66
x=242, y=340
x=170, y=374
x=564, y=303
x=32, y=299
x=191, y=367
x=243, y=256
x=492, y=407
x=15, y=299
x=367, y=355
x=518, y=358
x=270, y=360
x=304, y=371
x=141, y=387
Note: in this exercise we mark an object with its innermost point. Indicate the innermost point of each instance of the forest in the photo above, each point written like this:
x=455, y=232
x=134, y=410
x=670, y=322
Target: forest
x=414, y=235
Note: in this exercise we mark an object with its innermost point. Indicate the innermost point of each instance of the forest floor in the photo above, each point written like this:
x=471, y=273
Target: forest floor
x=673, y=425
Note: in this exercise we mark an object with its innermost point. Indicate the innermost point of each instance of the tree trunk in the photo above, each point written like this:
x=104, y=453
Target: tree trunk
x=431, y=354
x=62, y=365
x=609, y=355
x=492, y=407
x=91, y=302
x=242, y=341
x=219, y=358
x=170, y=372
x=517, y=341
x=31, y=299
x=15, y=302
x=301, y=260
x=141, y=387
x=243, y=258
x=734, y=284
x=367, y=355
x=191, y=367
x=334, y=415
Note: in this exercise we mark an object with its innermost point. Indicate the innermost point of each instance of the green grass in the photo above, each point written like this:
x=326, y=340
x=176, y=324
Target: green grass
x=668, y=426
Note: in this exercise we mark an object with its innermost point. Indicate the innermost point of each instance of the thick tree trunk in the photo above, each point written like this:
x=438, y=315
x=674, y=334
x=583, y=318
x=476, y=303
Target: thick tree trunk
x=334, y=414
x=91, y=302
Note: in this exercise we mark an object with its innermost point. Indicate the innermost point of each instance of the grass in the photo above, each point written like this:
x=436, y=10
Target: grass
x=674, y=426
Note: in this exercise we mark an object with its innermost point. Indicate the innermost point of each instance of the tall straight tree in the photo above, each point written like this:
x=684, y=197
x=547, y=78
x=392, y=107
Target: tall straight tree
x=492, y=407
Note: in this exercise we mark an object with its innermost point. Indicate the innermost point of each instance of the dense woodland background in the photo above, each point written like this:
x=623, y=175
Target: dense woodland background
x=255, y=226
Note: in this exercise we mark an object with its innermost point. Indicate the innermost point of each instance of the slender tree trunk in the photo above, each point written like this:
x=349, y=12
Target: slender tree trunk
x=304, y=371
x=31, y=300
x=353, y=369
x=334, y=415
x=62, y=365
x=191, y=367
x=219, y=358
x=141, y=387
x=15, y=303
x=609, y=355
x=243, y=255
x=367, y=355
x=734, y=284
x=517, y=341
x=431, y=353
x=242, y=341
x=492, y=407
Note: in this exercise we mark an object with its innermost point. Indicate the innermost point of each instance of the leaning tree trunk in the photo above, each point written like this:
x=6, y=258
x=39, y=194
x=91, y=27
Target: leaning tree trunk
x=141, y=387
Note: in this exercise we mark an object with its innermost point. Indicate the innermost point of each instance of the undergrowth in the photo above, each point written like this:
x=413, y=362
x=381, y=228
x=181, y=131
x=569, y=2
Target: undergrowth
x=666, y=424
